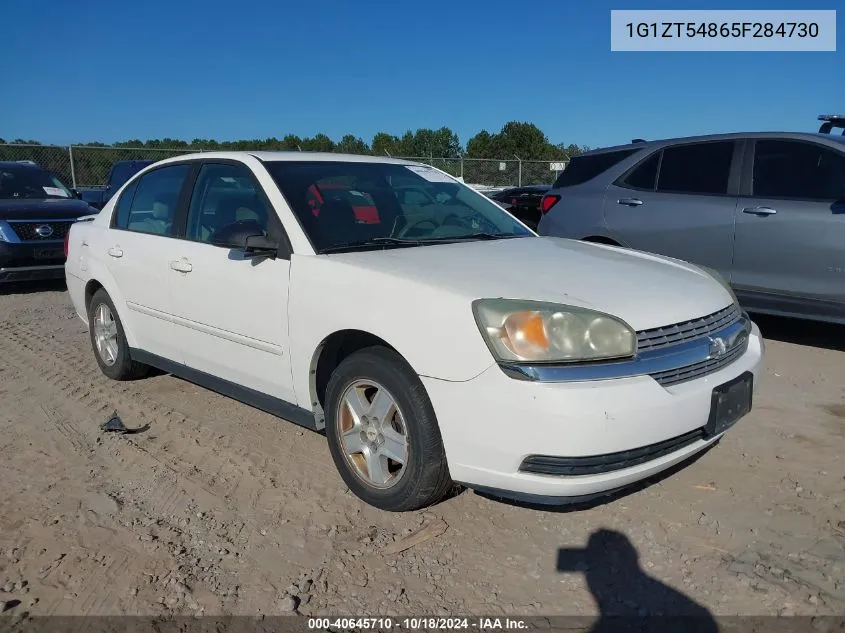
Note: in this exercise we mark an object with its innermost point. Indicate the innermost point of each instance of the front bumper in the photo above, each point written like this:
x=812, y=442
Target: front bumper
x=492, y=423
x=31, y=261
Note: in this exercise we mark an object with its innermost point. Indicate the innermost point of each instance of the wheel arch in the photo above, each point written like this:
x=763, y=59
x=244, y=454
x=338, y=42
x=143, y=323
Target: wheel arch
x=601, y=239
x=331, y=351
x=100, y=278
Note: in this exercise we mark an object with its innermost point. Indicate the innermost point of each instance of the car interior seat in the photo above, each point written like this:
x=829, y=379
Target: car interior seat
x=160, y=219
x=336, y=223
x=235, y=212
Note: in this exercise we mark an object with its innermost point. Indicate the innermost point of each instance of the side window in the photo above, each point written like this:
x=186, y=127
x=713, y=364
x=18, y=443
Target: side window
x=226, y=200
x=154, y=203
x=584, y=168
x=791, y=169
x=702, y=168
x=121, y=218
x=644, y=175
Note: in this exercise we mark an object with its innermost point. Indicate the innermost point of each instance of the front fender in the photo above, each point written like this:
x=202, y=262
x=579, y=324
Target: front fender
x=432, y=329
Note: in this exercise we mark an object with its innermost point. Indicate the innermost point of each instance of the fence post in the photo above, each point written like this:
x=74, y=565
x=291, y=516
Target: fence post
x=72, y=169
x=462, y=166
x=519, y=184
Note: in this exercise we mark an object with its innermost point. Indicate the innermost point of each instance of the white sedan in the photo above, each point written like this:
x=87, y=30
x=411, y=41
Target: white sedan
x=430, y=335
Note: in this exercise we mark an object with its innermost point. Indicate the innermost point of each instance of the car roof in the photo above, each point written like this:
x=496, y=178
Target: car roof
x=272, y=157
x=807, y=136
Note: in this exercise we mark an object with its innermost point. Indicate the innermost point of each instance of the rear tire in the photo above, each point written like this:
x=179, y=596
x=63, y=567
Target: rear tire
x=108, y=340
x=377, y=410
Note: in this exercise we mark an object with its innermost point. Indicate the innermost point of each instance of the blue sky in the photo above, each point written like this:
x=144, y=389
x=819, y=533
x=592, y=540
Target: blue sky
x=98, y=70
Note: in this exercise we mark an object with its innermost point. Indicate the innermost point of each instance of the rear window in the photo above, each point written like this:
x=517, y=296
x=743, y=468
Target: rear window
x=584, y=168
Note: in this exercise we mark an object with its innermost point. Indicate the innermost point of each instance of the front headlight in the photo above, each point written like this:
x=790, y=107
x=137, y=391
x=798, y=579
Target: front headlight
x=518, y=330
x=715, y=274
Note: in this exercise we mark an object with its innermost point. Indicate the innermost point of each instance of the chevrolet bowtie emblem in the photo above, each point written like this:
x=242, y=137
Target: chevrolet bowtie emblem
x=718, y=347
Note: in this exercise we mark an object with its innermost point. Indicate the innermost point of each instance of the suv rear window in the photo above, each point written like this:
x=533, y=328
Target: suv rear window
x=584, y=168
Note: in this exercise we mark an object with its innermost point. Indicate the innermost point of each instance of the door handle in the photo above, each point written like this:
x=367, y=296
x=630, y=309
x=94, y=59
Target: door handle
x=630, y=202
x=759, y=211
x=181, y=265
x=115, y=251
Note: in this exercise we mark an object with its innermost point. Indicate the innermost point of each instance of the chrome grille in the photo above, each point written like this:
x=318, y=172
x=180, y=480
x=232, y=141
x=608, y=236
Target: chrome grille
x=697, y=370
x=659, y=337
x=27, y=231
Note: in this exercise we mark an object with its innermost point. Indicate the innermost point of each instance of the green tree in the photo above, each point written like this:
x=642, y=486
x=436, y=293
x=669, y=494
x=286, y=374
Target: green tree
x=291, y=143
x=481, y=145
x=384, y=143
x=350, y=144
x=320, y=143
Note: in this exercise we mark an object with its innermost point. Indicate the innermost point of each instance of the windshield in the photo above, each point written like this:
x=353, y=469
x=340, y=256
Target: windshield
x=30, y=182
x=359, y=206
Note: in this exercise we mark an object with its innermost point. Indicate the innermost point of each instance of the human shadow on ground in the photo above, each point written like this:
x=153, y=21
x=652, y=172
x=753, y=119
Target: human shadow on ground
x=627, y=597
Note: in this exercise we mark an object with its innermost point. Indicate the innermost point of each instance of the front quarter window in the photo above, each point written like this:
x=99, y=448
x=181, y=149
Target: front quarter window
x=377, y=205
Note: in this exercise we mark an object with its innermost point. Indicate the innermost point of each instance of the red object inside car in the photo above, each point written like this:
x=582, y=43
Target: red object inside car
x=364, y=213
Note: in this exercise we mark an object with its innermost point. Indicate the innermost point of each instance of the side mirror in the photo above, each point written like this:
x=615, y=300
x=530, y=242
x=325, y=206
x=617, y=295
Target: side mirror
x=76, y=193
x=259, y=245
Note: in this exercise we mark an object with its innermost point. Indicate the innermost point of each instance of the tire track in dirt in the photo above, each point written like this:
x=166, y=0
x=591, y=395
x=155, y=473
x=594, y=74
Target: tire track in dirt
x=177, y=479
x=192, y=447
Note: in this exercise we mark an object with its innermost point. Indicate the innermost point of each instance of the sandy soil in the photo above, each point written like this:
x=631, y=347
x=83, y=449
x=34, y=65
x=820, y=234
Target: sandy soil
x=219, y=508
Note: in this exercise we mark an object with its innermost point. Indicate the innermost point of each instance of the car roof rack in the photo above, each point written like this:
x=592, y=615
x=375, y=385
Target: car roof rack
x=830, y=121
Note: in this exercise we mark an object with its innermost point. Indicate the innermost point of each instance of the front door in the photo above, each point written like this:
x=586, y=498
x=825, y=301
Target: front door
x=230, y=312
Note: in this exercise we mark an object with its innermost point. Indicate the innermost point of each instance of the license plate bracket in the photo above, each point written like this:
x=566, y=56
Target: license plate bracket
x=48, y=253
x=730, y=402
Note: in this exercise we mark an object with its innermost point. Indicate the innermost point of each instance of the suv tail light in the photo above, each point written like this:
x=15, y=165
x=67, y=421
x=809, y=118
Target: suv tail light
x=548, y=202
x=67, y=238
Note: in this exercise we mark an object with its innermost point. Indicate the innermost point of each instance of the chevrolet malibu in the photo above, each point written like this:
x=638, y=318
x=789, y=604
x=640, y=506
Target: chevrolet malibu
x=435, y=341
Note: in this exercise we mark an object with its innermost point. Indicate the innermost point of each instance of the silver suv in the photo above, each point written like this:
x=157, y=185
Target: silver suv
x=766, y=210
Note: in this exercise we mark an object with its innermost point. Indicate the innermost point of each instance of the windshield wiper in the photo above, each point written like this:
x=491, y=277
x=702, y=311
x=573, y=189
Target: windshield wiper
x=375, y=241
x=483, y=236
x=420, y=241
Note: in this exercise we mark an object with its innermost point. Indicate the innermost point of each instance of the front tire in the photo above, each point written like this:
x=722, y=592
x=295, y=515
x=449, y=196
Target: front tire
x=108, y=340
x=383, y=434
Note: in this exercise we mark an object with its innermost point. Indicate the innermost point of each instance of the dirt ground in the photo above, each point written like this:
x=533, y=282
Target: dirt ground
x=221, y=509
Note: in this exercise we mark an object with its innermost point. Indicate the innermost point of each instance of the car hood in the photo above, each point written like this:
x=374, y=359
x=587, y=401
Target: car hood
x=44, y=209
x=644, y=290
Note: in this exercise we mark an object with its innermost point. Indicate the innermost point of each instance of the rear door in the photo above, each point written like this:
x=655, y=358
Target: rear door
x=137, y=251
x=790, y=233
x=680, y=201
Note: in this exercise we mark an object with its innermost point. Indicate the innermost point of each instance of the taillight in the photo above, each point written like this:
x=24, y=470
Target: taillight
x=67, y=238
x=548, y=202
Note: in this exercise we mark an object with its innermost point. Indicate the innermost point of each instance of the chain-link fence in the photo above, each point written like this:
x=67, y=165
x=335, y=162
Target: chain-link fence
x=494, y=172
x=56, y=159
x=89, y=166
